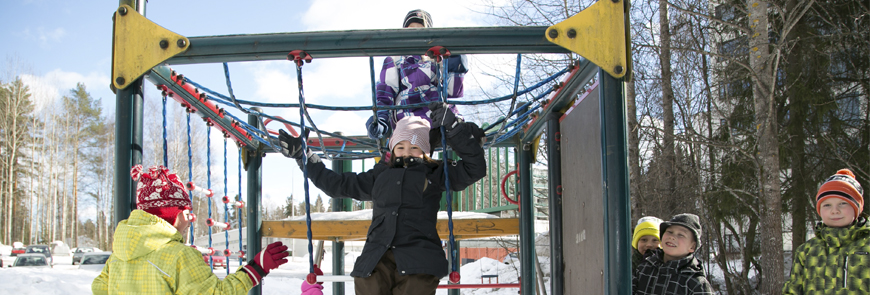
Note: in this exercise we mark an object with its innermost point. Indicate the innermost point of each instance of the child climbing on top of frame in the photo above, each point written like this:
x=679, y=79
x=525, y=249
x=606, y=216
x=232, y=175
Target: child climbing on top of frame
x=413, y=79
x=402, y=253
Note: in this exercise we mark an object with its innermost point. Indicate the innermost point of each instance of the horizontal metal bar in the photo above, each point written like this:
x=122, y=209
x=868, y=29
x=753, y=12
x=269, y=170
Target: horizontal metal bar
x=585, y=72
x=479, y=286
x=162, y=75
x=497, y=209
x=356, y=43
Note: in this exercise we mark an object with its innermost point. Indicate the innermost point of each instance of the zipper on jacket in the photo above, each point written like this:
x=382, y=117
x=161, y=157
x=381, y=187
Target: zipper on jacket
x=845, y=270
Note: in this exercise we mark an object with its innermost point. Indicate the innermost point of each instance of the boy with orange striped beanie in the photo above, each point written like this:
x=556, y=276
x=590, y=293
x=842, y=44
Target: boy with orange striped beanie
x=837, y=259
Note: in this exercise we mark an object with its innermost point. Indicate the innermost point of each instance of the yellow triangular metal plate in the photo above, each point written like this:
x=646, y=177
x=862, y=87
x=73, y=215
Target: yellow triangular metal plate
x=139, y=44
x=536, y=144
x=598, y=33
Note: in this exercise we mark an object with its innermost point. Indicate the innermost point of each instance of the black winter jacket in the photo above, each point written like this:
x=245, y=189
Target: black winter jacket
x=405, y=205
x=675, y=277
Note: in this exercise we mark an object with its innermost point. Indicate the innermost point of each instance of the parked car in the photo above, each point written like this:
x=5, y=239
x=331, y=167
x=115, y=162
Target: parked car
x=219, y=261
x=40, y=249
x=31, y=260
x=16, y=251
x=77, y=255
x=94, y=260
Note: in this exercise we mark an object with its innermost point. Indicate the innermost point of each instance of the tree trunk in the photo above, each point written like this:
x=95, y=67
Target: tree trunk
x=668, y=151
x=633, y=151
x=772, y=277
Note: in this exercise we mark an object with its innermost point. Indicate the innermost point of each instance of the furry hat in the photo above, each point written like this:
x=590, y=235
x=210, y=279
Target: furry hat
x=159, y=192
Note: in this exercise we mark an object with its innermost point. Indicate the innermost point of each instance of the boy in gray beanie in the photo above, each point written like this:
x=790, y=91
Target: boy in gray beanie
x=673, y=269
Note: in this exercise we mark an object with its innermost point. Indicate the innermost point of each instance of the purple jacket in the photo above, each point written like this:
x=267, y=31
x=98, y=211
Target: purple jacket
x=418, y=85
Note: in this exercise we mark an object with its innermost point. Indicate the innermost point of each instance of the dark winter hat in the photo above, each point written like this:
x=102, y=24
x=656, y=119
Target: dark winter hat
x=686, y=220
x=844, y=186
x=160, y=192
x=417, y=16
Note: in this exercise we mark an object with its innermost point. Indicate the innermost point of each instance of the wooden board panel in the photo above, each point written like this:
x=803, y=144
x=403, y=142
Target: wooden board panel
x=583, y=198
x=356, y=230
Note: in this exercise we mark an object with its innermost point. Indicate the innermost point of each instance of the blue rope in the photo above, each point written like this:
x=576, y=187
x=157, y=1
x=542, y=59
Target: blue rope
x=232, y=101
x=228, y=101
x=516, y=86
x=239, y=210
x=190, y=168
x=365, y=143
x=374, y=99
x=305, y=168
x=208, y=184
x=165, y=144
x=512, y=132
x=226, y=209
x=521, y=109
x=443, y=93
x=230, y=89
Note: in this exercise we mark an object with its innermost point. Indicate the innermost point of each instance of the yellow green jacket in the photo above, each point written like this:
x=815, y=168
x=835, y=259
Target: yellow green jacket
x=836, y=261
x=149, y=258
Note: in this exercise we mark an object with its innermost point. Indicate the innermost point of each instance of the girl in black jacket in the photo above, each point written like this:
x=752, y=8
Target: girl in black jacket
x=402, y=253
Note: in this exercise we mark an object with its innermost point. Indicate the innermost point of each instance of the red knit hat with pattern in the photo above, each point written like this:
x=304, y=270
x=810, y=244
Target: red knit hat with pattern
x=844, y=186
x=159, y=192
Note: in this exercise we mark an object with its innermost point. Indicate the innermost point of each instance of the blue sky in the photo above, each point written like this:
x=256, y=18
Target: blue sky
x=56, y=44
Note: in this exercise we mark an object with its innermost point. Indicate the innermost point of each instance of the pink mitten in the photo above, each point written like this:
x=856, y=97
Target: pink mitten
x=316, y=289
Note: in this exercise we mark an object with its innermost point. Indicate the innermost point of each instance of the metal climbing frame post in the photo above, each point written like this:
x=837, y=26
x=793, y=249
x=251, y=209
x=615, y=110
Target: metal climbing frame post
x=614, y=155
x=128, y=138
x=527, y=221
x=338, y=205
x=554, y=169
x=255, y=187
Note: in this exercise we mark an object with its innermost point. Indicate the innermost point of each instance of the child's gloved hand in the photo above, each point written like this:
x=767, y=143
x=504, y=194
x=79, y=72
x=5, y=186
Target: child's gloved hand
x=270, y=258
x=291, y=147
x=377, y=127
x=442, y=115
x=457, y=64
x=307, y=289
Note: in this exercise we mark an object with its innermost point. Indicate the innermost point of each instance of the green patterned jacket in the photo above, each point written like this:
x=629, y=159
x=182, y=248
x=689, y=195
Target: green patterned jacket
x=836, y=261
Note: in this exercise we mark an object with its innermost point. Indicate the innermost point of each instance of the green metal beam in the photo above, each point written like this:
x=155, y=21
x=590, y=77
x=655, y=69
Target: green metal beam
x=614, y=159
x=496, y=209
x=275, y=46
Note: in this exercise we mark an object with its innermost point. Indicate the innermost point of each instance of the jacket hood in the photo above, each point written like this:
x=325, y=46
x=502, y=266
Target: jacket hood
x=141, y=234
x=842, y=236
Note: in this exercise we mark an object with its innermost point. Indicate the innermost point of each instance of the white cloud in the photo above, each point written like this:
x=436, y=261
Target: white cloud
x=44, y=36
x=57, y=83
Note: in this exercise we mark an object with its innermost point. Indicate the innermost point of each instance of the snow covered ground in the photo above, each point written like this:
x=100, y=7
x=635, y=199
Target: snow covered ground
x=65, y=278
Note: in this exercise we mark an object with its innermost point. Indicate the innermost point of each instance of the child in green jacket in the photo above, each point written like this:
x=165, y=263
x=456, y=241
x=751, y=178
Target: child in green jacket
x=149, y=256
x=837, y=259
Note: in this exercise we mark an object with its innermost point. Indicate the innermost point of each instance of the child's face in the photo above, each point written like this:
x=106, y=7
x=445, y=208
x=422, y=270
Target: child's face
x=647, y=243
x=415, y=25
x=182, y=221
x=677, y=242
x=836, y=212
x=406, y=149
